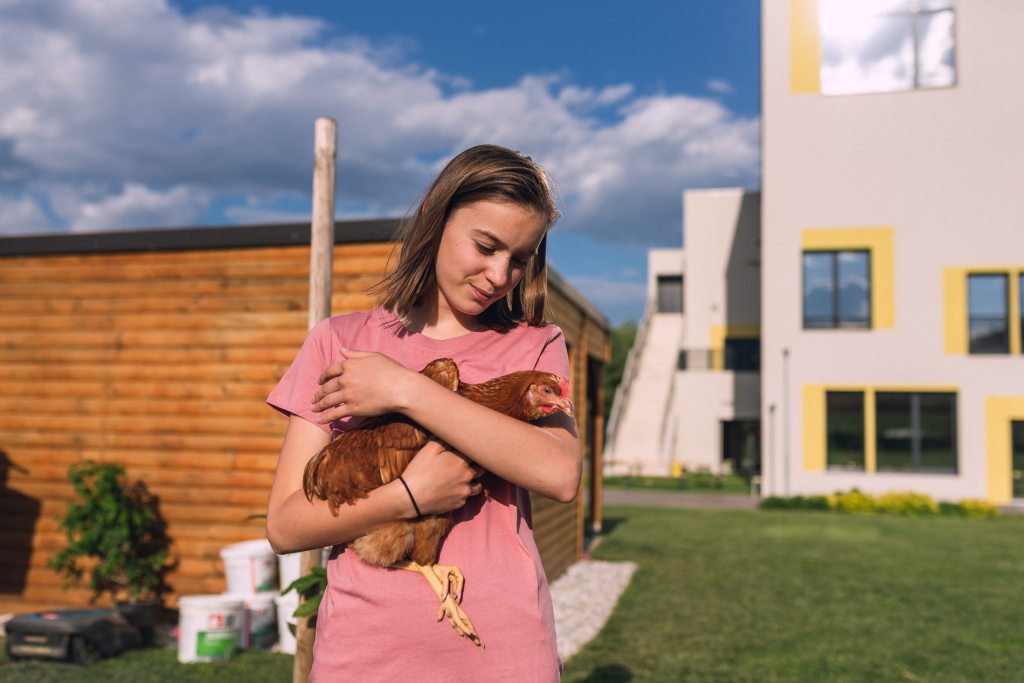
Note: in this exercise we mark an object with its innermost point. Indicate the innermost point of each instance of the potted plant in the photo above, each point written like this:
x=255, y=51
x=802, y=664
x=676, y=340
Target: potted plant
x=115, y=533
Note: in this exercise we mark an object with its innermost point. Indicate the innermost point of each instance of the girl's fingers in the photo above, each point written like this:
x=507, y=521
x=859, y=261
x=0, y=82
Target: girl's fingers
x=333, y=414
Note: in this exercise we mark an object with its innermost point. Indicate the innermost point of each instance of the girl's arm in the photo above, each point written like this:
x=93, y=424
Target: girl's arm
x=440, y=479
x=543, y=457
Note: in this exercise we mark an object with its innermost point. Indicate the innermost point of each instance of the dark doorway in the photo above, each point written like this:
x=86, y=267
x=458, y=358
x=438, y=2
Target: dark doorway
x=741, y=445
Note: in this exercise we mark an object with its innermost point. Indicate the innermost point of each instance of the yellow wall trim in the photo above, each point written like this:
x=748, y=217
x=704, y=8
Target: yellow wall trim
x=999, y=412
x=954, y=287
x=815, y=446
x=878, y=241
x=805, y=47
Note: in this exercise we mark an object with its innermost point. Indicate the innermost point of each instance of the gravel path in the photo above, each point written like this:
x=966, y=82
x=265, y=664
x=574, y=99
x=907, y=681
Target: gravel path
x=583, y=598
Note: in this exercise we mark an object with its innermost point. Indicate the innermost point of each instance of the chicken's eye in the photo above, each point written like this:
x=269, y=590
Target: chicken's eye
x=547, y=390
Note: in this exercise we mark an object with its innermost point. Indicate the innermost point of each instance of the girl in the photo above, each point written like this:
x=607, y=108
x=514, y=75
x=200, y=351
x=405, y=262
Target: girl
x=469, y=284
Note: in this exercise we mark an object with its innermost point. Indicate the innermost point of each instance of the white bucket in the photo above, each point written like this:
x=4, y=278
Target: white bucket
x=250, y=567
x=209, y=627
x=289, y=568
x=286, y=606
x=259, y=626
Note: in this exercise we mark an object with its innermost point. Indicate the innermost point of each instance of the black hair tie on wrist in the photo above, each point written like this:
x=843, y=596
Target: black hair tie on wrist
x=414, y=505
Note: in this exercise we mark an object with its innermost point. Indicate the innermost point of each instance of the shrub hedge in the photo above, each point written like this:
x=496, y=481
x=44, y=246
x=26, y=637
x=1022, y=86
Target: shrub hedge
x=906, y=504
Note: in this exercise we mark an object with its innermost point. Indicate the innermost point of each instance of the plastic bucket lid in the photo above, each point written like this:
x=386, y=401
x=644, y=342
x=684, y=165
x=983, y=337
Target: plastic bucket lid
x=250, y=566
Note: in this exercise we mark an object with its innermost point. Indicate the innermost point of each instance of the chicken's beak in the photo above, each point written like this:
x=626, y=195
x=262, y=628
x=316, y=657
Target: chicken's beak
x=565, y=405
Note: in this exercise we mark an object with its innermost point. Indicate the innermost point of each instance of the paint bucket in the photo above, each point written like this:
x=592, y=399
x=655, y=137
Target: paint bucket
x=259, y=625
x=289, y=568
x=250, y=567
x=286, y=606
x=209, y=627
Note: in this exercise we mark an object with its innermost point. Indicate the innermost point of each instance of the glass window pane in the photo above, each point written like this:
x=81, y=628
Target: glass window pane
x=866, y=46
x=935, y=4
x=819, y=303
x=937, y=422
x=670, y=294
x=1017, y=437
x=894, y=432
x=742, y=354
x=989, y=336
x=989, y=325
x=854, y=281
x=844, y=420
x=986, y=295
x=935, y=50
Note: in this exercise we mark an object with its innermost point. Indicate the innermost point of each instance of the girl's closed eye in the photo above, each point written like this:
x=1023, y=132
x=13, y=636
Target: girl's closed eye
x=484, y=249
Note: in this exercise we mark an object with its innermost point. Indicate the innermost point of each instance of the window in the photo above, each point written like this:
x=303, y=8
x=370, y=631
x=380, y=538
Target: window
x=987, y=313
x=742, y=354
x=844, y=416
x=1020, y=304
x=915, y=432
x=1017, y=437
x=872, y=46
x=670, y=294
x=837, y=289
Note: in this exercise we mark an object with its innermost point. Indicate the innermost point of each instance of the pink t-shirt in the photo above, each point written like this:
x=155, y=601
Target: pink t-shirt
x=378, y=624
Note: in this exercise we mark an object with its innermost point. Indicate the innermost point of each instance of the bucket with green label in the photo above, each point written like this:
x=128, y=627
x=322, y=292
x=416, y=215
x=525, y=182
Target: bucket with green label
x=209, y=627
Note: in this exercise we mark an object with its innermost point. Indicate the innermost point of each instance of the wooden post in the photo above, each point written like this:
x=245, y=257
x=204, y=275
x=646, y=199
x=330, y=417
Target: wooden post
x=321, y=263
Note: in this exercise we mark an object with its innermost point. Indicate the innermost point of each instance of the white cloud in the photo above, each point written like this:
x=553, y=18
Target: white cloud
x=721, y=86
x=138, y=206
x=104, y=104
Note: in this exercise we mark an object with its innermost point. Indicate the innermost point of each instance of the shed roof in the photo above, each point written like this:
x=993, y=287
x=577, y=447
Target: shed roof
x=235, y=236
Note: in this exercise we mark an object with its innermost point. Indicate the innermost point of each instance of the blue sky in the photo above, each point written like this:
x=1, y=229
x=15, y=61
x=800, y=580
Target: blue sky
x=157, y=113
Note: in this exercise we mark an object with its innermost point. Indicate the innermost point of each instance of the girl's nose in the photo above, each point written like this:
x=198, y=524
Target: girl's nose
x=498, y=273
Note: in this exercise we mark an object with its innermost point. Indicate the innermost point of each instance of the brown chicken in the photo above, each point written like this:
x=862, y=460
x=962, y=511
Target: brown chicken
x=376, y=452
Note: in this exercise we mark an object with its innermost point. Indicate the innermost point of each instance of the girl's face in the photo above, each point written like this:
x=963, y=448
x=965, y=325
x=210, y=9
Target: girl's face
x=483, y=254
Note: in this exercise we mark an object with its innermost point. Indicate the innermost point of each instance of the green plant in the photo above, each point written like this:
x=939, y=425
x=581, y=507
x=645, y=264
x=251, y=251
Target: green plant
x=311, y=587
x=977, y=509
x=115, y=532
x=906, y=504
x=852, y=501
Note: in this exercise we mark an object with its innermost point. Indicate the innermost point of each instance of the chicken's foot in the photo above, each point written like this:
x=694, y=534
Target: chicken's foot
x=447, y=582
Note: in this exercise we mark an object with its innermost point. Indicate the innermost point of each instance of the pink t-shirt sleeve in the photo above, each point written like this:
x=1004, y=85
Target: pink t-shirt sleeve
x=554, y=357
x=294, y=393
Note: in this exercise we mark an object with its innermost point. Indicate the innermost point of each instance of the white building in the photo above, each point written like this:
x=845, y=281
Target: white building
x=690, y=393
x=892, y=257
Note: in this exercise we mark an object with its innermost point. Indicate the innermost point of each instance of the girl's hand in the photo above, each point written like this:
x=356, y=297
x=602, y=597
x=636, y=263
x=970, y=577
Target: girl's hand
x=362, y=384
x=440, y=479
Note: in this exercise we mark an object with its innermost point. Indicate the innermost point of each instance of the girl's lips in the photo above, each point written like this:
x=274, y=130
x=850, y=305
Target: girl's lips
x=479, y=295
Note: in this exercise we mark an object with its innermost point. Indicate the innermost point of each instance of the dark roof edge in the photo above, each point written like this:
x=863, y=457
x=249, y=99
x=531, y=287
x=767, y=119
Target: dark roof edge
x=234, y=236
x=556, y=281
x=214, y=237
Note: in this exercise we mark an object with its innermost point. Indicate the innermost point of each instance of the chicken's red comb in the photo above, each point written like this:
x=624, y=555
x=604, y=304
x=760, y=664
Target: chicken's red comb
x=563, y=386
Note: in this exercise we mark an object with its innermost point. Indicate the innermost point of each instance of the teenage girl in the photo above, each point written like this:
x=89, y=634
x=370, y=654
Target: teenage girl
x=469, y=285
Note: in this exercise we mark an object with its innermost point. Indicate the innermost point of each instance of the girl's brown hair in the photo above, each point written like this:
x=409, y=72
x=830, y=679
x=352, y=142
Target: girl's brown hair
x=485, y=172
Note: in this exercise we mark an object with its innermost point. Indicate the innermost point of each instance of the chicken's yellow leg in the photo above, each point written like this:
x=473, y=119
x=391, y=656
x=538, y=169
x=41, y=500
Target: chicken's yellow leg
x=446, y=592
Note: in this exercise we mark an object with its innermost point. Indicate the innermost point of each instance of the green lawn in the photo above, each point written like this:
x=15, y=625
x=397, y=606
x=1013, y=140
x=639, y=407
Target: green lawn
x=154, y=665
x=734, y=596
x=694, y=482
x=806, y=596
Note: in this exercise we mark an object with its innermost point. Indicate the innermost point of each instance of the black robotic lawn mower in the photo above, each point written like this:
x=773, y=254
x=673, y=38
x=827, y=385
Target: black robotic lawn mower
x=77, y=635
